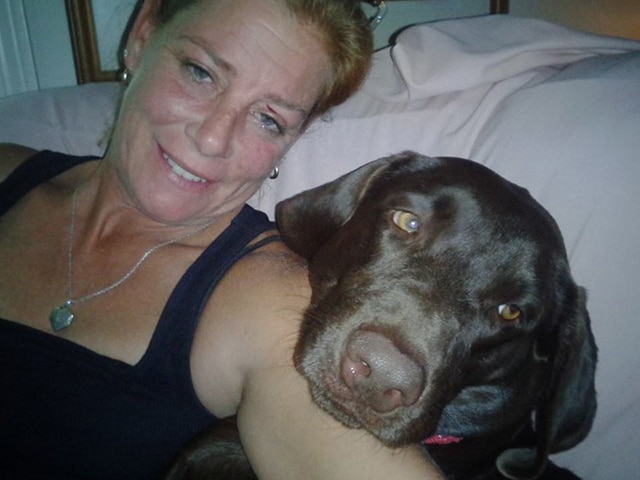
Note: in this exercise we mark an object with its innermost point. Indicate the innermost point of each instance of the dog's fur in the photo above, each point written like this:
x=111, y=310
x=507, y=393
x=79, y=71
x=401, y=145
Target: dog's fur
x=412, y=260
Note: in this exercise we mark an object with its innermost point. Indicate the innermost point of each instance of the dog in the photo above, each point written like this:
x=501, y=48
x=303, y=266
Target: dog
x=443, y=311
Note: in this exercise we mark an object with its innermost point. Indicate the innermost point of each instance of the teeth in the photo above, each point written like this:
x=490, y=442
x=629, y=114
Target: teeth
x=178, y=170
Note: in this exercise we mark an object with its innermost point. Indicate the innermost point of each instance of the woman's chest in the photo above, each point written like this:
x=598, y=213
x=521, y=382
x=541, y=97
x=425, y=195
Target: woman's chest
x=114, y=305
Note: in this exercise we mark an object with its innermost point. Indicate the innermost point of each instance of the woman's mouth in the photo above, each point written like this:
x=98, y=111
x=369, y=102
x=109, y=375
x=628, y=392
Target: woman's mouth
x=181, y=172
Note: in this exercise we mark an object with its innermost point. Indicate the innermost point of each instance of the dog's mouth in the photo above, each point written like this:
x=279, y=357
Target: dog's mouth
x=351, y=411
x=347, y=405
x=393, y=428
x=372, y=383
x=439, y=439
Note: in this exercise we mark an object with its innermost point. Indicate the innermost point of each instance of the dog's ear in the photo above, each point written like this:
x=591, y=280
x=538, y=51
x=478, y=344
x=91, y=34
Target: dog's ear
x=567, y=409
x=307, y=220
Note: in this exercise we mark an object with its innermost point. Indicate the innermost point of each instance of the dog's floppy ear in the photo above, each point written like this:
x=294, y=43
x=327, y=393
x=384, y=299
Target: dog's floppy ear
x=307, y=220
x=566, y=411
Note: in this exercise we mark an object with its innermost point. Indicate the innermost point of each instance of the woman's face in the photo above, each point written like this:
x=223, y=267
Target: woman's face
x=217, y=97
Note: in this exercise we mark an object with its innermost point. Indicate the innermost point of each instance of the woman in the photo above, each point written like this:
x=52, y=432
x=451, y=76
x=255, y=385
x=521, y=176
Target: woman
x=140, y=299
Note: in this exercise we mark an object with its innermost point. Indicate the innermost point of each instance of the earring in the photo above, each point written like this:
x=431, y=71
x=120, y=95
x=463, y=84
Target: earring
x=274, y=173
x=125, y=76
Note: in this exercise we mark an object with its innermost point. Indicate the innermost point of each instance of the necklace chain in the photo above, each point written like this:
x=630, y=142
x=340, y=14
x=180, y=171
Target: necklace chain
x=62, y=316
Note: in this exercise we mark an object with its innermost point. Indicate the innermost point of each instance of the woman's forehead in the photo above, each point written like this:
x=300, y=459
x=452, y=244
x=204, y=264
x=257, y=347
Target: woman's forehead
x=257, y=39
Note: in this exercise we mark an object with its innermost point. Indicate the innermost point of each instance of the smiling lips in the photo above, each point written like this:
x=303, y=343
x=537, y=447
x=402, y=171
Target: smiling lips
x=181, y=172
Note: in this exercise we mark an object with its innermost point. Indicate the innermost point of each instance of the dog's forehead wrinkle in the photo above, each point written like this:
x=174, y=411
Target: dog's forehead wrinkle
x=484, y=272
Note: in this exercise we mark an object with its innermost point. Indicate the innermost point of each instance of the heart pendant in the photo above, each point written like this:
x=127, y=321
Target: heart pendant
x=61, y=317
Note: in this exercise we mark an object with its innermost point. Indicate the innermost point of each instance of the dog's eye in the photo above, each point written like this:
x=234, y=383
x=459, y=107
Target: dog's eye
x=509, y=312
x=406, y=221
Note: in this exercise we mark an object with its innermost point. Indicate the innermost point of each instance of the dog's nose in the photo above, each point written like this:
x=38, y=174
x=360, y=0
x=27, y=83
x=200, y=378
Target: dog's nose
x=381, y=375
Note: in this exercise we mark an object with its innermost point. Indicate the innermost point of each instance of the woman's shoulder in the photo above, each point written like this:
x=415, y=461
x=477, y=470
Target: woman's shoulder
x=269, y=291
x=278, y=273
x=272, y=275
x=11, y=156
x=275, y=258
x=250, y=322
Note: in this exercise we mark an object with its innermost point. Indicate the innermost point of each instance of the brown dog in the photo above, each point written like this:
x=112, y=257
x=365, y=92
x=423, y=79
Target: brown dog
x=443, y=311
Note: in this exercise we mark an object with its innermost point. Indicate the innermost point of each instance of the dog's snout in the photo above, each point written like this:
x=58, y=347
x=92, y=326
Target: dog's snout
x=379, y=373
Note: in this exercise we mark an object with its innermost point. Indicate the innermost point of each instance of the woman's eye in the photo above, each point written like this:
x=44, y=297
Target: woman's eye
x=198, y=74
x=407, y=221
x=269, y=123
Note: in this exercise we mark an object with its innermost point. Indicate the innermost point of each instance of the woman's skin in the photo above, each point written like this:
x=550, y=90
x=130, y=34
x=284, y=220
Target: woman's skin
x=217, y=97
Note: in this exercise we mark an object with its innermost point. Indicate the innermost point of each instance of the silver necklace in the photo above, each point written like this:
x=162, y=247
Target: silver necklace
x=62, y=316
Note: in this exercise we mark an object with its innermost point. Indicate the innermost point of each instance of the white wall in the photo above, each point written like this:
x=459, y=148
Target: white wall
x=49, y=31
x=35, y=46
x=17, y=67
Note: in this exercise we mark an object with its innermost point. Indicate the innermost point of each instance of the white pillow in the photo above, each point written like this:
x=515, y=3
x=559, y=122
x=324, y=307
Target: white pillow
x=74, y=120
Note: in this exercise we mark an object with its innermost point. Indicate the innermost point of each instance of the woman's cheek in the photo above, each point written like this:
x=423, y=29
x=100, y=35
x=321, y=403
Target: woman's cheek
x=167, y=107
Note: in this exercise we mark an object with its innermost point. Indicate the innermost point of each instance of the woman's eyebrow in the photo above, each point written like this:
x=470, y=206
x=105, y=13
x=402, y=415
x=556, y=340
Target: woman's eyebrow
x=220, y=62
x=288, y=105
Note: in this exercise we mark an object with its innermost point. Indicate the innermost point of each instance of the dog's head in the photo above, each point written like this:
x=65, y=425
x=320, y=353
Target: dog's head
x=442, y=305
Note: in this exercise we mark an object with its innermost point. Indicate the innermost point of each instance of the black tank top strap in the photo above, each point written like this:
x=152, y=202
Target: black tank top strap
x=261, y=243
x=168, y=356
x=32, y=172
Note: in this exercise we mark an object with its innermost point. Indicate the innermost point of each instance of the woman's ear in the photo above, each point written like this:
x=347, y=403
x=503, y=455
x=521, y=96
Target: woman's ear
x=141, y=29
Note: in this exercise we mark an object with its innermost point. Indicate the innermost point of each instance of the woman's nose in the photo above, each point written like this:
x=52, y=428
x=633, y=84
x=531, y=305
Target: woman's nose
x=212, y=133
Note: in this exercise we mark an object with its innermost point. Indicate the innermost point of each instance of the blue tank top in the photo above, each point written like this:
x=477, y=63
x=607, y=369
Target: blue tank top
x=67, y=412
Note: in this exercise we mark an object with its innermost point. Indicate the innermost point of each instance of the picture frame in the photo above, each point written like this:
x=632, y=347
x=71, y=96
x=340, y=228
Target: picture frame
x=96, y=28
